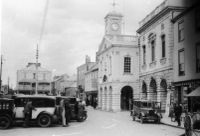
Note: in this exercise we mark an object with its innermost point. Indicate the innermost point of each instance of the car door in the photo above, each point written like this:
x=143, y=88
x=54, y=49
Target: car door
x=19, y=107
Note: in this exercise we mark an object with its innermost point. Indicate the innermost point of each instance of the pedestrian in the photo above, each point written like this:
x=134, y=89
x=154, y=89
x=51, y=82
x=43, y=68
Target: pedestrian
x=95, y=103
x=62, y=111
x=28, y=113
x=67, y=112
x=178, y=112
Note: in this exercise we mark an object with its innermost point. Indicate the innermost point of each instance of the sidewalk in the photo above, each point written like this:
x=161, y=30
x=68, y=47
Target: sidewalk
x=167, y=121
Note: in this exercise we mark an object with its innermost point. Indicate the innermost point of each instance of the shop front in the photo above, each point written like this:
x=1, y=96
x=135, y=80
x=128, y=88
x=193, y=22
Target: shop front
x=91, y=98
x=182, y=90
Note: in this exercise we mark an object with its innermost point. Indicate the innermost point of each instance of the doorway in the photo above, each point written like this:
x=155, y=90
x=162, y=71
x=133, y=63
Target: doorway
x=126, y=96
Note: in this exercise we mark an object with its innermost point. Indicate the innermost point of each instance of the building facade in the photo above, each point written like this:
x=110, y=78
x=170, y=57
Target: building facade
x=186, y=54
x=156, y=53
x=117, y=59
x=65, y=85
x=91, y=85
x=27, y=78
x=81, y=70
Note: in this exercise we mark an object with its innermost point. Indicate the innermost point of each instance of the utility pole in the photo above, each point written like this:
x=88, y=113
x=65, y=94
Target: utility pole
x=8, y=83
x=1, y=72
x=36, y=83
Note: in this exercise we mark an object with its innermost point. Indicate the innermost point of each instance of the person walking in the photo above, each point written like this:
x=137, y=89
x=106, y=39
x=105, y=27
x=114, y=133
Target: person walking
x=28, y=113
x=67, y=112
x=62, y=111
x=178, y=112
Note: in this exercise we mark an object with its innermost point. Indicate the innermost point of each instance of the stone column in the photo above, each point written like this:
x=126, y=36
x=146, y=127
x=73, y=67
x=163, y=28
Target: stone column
x=105, y=99
x=100, y=99
x=116, y=101
x=110, y=100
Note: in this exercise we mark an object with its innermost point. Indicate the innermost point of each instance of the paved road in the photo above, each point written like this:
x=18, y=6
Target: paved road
x=99, y=123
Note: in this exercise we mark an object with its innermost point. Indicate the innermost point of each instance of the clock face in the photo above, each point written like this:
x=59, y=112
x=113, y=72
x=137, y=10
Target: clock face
x=115, y=26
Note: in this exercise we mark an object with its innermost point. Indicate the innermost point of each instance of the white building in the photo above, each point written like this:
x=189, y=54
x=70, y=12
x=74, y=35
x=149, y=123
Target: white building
x=26, y=79
x=156, y=52
x=117, y=59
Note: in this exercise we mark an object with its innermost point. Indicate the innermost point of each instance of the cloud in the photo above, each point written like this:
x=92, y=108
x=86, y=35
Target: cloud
x=73, y=29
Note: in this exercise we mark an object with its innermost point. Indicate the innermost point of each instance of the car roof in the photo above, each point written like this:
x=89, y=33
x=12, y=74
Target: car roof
x=35, y=96
x=5, y=99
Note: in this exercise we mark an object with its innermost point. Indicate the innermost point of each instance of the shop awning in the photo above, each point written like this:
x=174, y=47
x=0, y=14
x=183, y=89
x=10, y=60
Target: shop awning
x=194, y=93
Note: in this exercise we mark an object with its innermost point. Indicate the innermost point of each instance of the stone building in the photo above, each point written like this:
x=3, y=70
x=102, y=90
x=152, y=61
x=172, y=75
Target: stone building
x=91, y=84
x=81, y=70
x=117, y=59
x=26, y=79
x=186, y=53
x=156, y=52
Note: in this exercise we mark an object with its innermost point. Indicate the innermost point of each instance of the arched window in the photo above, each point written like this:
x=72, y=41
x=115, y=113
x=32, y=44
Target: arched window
x=144, y=87
x=152, y=41
x=153, y=50
x=144, y=54
x=163, y=46
x=104, y=78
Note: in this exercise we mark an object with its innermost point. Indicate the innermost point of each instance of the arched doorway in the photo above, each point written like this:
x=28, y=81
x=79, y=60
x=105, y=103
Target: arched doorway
x=110, y=98
x=105, y=98
x=144, y=90
x=163, y=93
x=153, y=90
x=126, y=96
x=100, y=98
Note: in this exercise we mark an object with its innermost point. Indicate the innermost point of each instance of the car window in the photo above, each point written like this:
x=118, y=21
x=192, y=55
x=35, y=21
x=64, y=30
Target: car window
x=20, y=102
x=43, y=102
x=72, y=100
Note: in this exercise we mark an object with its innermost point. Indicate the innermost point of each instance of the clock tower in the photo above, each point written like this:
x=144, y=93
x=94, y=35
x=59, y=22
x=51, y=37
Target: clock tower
x=113, y=23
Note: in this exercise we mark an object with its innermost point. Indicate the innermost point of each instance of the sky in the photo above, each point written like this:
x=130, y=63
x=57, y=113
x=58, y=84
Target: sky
x=72, y=29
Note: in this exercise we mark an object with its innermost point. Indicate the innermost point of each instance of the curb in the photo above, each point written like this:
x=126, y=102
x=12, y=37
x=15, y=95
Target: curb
x=171, y=125
x=198, y=131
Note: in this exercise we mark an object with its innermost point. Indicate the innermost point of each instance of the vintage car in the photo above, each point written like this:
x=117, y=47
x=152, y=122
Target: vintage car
x=78, y=111
x=45, y=108
x=146, y=111
x=6, y=112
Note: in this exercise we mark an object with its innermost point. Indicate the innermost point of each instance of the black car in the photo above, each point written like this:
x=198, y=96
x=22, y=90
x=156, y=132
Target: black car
x=146, y=111
x=78, y=111
x=6, y=112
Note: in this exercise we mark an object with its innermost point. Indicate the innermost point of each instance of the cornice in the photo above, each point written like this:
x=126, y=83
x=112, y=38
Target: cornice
x=158, y=16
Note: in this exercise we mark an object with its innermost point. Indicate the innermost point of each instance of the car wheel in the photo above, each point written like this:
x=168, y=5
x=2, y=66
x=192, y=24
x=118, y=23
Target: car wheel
x=158, y=121
x=82, y=118
x=5, y=122
x=133, y=118
x=44, y=120
x=141, y=120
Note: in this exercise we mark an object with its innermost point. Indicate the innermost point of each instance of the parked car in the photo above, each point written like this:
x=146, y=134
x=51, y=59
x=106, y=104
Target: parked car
x=45, y=106
x=6, y=112
x=78, y=111
x=146, y=111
